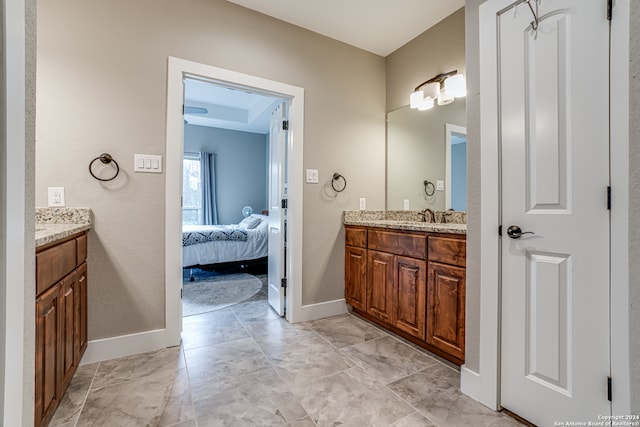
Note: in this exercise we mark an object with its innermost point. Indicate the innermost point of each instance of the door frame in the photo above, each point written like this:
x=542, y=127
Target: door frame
x=484, y=385
x=177, y=70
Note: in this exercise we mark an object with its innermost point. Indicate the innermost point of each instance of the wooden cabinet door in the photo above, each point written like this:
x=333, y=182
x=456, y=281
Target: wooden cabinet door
x=68, y=288
x=81, y=312
x=380, y=285
x=355, y=281
x=48, y=362
x=411, y=296
x=446, y=308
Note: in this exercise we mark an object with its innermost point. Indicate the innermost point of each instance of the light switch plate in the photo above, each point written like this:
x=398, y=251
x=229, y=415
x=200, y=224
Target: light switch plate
x=312, y=176
x=56, y=197
x=147, y=163
x=440, y=185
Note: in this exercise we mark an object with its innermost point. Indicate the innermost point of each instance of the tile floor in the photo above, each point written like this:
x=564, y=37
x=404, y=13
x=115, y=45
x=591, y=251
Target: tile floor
x=245, y=366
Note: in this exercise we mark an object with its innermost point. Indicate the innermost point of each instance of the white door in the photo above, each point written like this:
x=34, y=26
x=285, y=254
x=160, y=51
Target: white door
x=554, y=130
x=277, y=158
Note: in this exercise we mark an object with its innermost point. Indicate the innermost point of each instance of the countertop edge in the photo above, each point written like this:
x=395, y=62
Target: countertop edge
x=424, y=227
x=60, y=232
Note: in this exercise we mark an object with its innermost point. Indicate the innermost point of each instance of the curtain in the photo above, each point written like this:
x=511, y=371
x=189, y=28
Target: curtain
x=208, y=174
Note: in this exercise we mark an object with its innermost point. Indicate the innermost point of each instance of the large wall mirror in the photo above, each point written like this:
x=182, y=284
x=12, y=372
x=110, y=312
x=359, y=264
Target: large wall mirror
x=427, y=146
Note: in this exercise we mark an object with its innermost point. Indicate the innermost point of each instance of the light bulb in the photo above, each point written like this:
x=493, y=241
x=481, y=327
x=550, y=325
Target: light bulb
x=416, y=98
x=444, y=99
x=426, y=104
x=455, y=86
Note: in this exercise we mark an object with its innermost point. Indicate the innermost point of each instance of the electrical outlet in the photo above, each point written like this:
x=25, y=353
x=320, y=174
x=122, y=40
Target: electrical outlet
x=406, y=204
x=363, y=203
x=56, y=197
x=440, y=185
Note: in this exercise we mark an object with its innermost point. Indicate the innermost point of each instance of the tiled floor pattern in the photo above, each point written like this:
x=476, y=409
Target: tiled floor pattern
x=245, y=366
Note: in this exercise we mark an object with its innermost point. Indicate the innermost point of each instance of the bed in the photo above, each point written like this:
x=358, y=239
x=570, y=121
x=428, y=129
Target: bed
x=210, y=245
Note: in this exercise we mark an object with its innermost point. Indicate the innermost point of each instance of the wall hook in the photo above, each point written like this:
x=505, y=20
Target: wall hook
x=534, y=23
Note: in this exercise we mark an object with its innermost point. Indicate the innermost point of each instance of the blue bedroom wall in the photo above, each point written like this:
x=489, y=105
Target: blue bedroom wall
x=241, y=168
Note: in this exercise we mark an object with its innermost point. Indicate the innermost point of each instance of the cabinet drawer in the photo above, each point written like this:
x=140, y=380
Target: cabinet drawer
x=356, y=237
x=411, y=245
x=448, y=250
x=81, y=249
x=53, y=264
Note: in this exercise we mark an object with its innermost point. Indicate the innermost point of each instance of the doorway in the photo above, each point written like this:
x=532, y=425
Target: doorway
x=225, y=194
x=178, y=70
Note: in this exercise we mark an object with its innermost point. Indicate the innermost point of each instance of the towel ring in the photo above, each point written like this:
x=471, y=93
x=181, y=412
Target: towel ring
x=336, y=179
x=105, y=158
x=429, y=188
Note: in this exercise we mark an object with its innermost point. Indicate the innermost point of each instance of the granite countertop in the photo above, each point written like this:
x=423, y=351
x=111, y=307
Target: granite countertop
x=54, y=224
x=407, y=220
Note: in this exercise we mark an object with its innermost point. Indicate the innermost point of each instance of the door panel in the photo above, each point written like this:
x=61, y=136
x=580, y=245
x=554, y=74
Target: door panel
x=277, y=154
x=356, y=277
x=380, y=272
x=555, y=172
x=411, y=296
x=446, y=308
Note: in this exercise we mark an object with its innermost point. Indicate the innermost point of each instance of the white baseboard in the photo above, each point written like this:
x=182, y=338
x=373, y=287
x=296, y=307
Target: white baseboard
x=321, y=310
x=125, y=345
x=470, y=383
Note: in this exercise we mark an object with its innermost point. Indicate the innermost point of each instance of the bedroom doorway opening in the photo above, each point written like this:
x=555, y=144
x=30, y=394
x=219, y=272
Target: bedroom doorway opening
x=180, y=120
x=233, y=182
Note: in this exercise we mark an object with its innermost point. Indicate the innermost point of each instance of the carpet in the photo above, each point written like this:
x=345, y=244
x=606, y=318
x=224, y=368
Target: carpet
x=217, y=292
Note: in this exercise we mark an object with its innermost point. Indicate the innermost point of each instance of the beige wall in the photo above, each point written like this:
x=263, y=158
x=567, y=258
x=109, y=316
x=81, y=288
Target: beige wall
x=437, y=50
x=102, y=88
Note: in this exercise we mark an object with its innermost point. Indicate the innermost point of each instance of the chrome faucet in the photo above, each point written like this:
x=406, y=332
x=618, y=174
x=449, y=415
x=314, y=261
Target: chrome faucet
x=423, y=214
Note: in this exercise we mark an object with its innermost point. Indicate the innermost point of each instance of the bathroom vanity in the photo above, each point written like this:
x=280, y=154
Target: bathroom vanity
x=409, y=277
x=60, y=308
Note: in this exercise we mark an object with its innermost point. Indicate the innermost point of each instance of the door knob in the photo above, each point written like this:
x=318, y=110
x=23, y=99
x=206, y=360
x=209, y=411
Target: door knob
x=515, y=232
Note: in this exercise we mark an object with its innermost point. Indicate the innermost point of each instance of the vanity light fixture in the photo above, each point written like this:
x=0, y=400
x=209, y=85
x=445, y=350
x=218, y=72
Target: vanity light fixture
x=426, y=93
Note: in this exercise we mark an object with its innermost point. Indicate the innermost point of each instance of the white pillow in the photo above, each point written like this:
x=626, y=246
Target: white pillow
x=249, y=222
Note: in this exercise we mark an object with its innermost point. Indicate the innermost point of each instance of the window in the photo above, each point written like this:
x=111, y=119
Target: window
x=191, y=189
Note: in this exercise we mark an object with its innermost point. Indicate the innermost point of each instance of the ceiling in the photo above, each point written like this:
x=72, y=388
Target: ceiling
x=227, y=108
x=378, y=26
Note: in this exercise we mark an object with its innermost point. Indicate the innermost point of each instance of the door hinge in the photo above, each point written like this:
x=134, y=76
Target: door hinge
x=609, y=198
x=609, y=9
x=285, y=125
x=500, y=230
x=609, y=389
x=283, y=283
x=284, y=204
x=181, y=292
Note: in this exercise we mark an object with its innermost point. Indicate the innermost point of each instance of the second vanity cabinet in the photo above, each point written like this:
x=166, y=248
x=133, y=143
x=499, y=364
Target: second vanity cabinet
x=412, y=283
x=61, y=320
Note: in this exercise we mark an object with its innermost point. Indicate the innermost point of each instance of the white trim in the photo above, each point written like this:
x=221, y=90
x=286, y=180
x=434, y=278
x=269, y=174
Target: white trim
x=177, y=70
x=489, y=375
x=322, y=310
x=490, y=292
x=124, y=345
x=620, y=365
x=449, y=129
x=470, y=382
x=13, y=323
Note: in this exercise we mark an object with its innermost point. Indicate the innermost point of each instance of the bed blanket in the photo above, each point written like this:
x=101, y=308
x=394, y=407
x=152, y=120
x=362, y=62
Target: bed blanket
x=223, y=233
